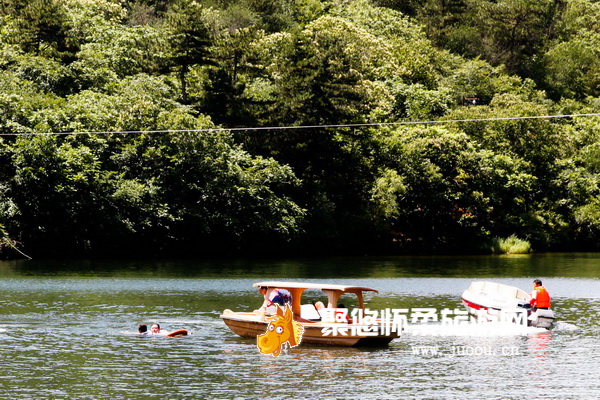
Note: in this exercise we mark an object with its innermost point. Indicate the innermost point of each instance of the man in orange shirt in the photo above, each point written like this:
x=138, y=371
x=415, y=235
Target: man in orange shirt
x=540, y=298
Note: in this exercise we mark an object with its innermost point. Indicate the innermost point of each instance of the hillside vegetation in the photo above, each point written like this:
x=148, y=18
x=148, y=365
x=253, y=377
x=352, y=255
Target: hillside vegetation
x=109, y=109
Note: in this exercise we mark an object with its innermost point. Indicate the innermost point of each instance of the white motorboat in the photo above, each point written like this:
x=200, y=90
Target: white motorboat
x=484, y=299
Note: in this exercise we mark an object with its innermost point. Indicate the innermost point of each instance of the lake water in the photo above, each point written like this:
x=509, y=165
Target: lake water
x=67, y=331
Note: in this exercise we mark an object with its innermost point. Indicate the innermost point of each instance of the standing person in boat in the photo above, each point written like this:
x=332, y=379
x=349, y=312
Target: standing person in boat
x=540, y=298
x=277, y=296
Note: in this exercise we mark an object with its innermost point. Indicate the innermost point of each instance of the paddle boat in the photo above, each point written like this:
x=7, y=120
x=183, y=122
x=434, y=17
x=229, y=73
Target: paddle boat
x=484, y=299
x=318, y=327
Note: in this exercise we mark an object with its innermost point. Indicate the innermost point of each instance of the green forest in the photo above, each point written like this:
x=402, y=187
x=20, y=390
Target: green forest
x=298, y=127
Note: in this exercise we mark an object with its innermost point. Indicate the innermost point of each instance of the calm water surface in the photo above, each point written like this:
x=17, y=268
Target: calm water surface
x=67, y=331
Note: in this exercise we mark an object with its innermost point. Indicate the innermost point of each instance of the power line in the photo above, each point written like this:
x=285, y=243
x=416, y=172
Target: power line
x=298, y=127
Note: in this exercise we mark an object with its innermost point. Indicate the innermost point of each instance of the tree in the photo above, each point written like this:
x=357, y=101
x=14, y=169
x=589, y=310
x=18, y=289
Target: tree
x=26, y=108
x=573, y=69
x=189, y=38
x=40, y=27
x=571, y=62
x=442, y=20
x=229, y=96
x=325, y=76
x=477, y=79
x=429, y=205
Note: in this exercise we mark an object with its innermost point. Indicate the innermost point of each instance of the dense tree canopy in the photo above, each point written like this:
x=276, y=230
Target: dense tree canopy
x=128, y=126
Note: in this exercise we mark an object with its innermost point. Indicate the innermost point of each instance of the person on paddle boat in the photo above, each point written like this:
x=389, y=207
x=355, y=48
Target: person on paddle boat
x=277, y=296
x=341, y=314
x=540, y=298
x=319, y=305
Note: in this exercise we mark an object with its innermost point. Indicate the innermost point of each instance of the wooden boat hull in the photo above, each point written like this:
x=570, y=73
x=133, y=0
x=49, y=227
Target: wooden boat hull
x=250, y=326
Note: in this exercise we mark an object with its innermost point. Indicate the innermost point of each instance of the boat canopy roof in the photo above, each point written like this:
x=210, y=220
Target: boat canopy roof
x=333, y=292
x=321, y=286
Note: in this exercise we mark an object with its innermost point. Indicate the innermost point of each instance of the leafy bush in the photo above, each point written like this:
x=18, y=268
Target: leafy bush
x=510, y=245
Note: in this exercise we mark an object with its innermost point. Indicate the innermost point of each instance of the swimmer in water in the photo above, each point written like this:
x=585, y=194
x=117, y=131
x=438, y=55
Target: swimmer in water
x=155, y=330
x=143, y=329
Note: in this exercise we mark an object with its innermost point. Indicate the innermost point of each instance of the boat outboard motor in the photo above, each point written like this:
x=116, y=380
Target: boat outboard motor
x=542, y=318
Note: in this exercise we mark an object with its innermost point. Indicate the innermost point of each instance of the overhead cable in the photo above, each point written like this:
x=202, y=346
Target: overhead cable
x=297, y=127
